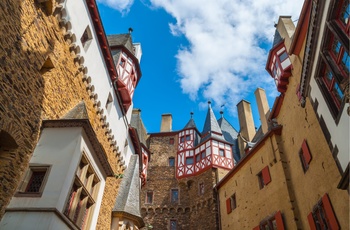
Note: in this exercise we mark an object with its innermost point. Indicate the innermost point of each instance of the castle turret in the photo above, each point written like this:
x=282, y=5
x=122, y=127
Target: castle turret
x=127, y=65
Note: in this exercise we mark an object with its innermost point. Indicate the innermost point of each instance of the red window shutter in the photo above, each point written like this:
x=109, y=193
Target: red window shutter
x=306, y=152
x=311, y=221
x=228, y=206
x=329, y=212
x=279, y=220
x=266, y=175
x=257, y=228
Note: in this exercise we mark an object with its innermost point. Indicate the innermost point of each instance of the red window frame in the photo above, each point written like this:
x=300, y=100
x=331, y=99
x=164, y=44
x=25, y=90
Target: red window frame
x=272, y=222
x=332, y=86
x=323, y=216
x=222, y=152
x=344, y=10
x=305, y=156
x=264, y=177
x=188, y=160
x=338, y=52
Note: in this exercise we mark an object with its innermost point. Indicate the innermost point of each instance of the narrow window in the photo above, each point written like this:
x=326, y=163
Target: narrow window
x=173, y=224
x=222, y=152
x=203, y=154
x=201, y=188
x=171, y=161
x=35, y=182
x=171, y=141
x=174, y=196
x=149, y=197
x=233, y=201
x=86, y=38
x=198, y=158
x=109, y=103
x=264, y=177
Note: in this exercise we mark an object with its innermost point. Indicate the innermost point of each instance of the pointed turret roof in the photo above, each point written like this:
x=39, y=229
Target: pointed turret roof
x=211, y=127
x=128, y=199
x=121, y=40
x=190, y=124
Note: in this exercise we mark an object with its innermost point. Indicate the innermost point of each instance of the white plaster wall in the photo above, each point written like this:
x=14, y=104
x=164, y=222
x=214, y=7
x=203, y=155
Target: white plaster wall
x=32, y=221
x=339, y=132
x=61, y=148
x=97, y=70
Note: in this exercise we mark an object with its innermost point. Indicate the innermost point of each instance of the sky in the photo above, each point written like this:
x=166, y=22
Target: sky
x=198, y=51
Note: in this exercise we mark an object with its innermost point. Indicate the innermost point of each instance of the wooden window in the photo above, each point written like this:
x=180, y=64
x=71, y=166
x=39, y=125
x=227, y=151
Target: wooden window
x=274, y=222
x=222, y=152
x=189, y=160
x=173, y=224
x=174, y=198
x=188, y=137
x=264, y=177
x=86, y=38
x=81, y=199
x=149, y=197
x=182, y=139
x=171, y=141
x=34, y=181
x=305, y=156
x=231, y=203
x=323, y=216
x=171, y=161
x=343, y=16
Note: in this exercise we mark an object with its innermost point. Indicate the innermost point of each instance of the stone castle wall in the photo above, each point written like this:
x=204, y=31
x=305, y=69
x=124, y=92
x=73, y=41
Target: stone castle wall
x=39, y=80
x=194, y=210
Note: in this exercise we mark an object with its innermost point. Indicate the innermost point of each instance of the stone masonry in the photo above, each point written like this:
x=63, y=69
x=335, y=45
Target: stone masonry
x=194, y=210
x=39, y=80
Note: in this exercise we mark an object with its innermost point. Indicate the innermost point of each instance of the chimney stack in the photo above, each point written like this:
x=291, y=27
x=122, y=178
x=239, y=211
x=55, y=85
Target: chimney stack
x=246, y=124
x=166, y=125
x=263, y=107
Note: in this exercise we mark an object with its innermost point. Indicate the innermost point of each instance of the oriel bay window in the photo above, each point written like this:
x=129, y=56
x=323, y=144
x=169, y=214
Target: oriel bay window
x=82, y=196
x=334, y=63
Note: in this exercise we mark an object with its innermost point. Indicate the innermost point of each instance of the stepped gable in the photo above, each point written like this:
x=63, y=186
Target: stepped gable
x=211, y=127
x=128, y=199
x=78, y=112
x=121, y=40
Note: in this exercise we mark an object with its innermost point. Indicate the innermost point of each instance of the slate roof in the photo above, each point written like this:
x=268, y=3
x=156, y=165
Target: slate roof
x=190, y=124
x=78, y=112
x=230, y=135
x=137, y=123
x=277, y=38
x=121, y=40
x=211, y=127
x=128, y=198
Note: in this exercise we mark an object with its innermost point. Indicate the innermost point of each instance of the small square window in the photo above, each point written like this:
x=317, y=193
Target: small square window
x=86, y=38
x=34, y=182
x=171, y=141
x=171, y=161
x=189, y=160
x=182, y=139
x=174, y=196
x=188, y=137
x=149, y=197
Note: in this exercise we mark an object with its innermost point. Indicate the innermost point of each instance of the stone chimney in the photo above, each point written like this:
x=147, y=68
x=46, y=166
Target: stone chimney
x=263, y=107
x=286, y=28
x=246, y=124
x=166, y=125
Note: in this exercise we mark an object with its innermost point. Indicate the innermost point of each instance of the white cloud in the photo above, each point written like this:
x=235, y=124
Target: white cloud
x=122, y=6
x=225, y=60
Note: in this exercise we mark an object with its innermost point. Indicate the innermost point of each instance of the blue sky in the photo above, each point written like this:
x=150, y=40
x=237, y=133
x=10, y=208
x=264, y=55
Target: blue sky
x=195, y=51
